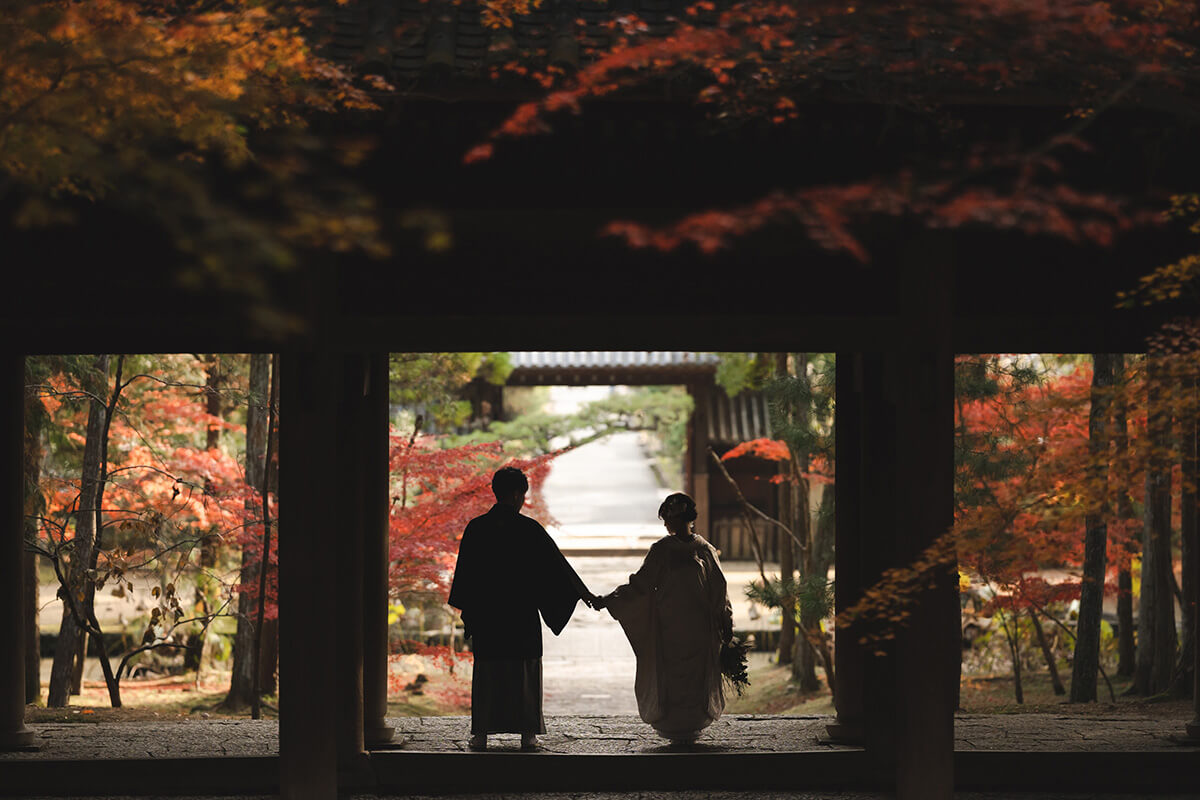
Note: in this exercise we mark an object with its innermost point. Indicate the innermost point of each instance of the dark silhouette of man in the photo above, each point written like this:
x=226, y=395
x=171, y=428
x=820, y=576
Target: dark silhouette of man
x=509, y=571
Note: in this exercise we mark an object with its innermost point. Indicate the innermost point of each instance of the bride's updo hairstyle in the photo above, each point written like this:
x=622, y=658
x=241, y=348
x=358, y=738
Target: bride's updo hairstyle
x=677, y=511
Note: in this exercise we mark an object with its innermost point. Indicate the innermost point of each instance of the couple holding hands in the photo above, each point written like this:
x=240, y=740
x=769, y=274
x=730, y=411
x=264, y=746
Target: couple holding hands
x=674, y=610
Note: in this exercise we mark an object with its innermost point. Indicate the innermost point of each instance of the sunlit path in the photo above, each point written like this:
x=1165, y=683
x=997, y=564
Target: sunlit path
x=605, y=495
x=605, y=499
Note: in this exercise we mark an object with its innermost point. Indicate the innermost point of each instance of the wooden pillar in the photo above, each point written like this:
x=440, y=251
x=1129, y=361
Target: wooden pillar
x=928, y=648
x=351, y=428
x=895, y=493
x=13, y=732
x=847, y=548
x=878, y=469
x=308, y=586
x=376, y=549
x=699, y=457
x=33, y=639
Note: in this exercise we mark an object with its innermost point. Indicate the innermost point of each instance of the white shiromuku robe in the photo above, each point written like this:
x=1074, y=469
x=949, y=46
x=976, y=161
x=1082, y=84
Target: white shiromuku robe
x=675, y=612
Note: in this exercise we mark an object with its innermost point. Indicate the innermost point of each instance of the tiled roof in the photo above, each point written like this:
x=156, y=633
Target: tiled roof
x=608, y=359
x=409, y=39
x=405, y=38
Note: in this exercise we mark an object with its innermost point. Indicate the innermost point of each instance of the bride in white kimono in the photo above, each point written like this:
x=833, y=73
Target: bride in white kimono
x=676, y=614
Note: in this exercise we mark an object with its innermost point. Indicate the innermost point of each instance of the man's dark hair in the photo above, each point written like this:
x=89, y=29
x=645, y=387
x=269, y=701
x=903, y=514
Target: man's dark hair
x=509, y=481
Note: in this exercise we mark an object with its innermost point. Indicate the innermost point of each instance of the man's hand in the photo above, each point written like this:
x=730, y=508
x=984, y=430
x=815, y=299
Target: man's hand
x=597, y=603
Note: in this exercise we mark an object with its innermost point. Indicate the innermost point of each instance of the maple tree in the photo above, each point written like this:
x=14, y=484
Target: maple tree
x=194, y=115
x=436, y=491
x=767, y=60
x=799, y=391
x=1035, y=486
x=159, y=495
x=1033, y=478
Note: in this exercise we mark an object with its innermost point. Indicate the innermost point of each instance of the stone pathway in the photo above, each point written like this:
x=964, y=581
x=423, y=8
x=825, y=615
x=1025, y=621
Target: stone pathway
x=1117, y=732
x=623, y=734
x=605, y=498
x=628, y=734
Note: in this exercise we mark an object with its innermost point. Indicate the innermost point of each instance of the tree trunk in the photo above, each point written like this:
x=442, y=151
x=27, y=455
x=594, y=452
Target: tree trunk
x=821, y=549
x=1126, y=649
x=242, y=681
x=787, y=552
x=1125, y=624
x=804, y=665
x=1155, y=660
x=89, y=601
x=268, y=664
x=1084, y=672
x=35, y=505
x=1014, y=650
x=69, y=633
x=212, y=441
x=1182, y=682
x=787, y=572
x=212, y=400
x=1047, y=654
x=80, y=660
x=264, y=641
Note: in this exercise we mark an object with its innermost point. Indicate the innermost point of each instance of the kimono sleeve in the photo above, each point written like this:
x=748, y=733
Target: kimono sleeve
x=722, y=608
x=559, y=587
x=465, y=583
x=632, y=604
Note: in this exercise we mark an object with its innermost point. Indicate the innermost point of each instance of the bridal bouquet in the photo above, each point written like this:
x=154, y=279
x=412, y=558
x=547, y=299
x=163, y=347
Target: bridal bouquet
x=733, y=664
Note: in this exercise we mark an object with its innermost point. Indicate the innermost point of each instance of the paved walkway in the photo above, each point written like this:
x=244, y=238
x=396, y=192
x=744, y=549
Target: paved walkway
x=605, y=498
x=610, y=734
x=606, y=482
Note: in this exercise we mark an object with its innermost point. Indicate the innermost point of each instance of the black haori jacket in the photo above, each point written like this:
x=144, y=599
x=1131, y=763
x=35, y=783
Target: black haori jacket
x=509, y=570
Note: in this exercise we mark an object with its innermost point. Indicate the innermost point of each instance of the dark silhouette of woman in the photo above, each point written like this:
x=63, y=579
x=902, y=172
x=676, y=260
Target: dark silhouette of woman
x=676, y=614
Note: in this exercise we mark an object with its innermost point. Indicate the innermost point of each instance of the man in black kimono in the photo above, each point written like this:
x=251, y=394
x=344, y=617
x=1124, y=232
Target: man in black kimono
x=509, y=570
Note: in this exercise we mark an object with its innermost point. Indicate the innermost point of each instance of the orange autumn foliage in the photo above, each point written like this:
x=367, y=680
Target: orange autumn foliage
x=150, y=108
x=1031, y=520
x=86, y=83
